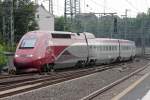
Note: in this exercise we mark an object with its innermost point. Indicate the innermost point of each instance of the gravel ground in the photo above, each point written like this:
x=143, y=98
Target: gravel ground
x=108, y=95
x=77, y=88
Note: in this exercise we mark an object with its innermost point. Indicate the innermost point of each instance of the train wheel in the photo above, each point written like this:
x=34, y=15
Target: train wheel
x=80, y=64
x=12, y=72
x=131, y=58
x=92, y=63
x=118, y=59
x=48, y=68
x=45, y=68
x=51, y=67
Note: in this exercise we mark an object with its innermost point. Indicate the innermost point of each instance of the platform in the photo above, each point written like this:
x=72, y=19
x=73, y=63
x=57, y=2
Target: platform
x=140, y=90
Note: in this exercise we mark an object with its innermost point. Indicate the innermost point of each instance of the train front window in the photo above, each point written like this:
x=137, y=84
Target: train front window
x=28, y=43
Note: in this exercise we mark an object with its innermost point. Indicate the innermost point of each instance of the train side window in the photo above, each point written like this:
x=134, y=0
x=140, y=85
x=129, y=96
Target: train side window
x=122, y=47
x=90, y=46
x=109, y=48
x=64, y=36
x=96, y=48
x=103, y=48
x=106, y=48
x=112, y=48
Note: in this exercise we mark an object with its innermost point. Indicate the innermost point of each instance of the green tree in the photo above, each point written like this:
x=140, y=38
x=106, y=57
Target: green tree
x=1, y=19
x=24, y=17
x=59, y=23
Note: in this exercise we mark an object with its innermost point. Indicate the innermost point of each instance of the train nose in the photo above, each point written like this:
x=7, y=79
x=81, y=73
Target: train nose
x=21, y=60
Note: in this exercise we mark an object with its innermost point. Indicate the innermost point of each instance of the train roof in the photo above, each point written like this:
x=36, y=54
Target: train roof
x=73, y=35
x=54, y=32
x=80, y=35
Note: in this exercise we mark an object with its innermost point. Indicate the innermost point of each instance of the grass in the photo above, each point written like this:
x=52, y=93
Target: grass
x=4, y=58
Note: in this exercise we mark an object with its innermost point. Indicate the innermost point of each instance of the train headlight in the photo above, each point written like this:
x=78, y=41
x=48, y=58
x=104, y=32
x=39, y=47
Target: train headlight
x=30, y=55
x=16, y=56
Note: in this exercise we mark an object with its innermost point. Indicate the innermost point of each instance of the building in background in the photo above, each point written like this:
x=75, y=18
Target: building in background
x=44, y=19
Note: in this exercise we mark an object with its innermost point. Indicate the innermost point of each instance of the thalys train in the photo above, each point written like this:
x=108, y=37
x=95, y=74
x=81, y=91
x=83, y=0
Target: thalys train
x=45, y=50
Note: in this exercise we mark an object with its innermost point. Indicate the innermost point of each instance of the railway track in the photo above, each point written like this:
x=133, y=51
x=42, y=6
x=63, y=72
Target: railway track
x=18, y=86
x=8, y=88
x=14, y=76
x=109, y=86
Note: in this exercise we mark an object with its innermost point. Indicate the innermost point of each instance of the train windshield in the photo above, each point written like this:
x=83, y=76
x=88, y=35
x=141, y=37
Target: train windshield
x=28, y=43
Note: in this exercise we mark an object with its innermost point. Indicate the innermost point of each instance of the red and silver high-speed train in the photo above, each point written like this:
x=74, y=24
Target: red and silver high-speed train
x=44, y=50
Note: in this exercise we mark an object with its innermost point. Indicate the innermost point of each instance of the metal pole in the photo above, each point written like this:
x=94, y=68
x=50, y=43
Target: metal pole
x=126, y=23
x=104, y=6
x=112, y=26
x=51, y=6
x=4, y=27
x=98, y=30
x=36, y=2
x=12, y=23
x=142, y=37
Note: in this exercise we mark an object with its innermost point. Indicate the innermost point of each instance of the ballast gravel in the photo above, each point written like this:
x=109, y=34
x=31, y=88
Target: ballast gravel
x=77, y=88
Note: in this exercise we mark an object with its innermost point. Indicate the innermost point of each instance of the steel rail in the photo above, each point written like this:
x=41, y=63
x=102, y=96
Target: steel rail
x=53, y=78
x=98, y=92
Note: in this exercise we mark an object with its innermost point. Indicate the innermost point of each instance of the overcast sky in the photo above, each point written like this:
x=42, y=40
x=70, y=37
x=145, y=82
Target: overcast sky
x=118, y=6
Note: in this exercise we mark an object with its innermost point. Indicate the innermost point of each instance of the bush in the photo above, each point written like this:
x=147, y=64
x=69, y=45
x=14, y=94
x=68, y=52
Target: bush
x=3, y=58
